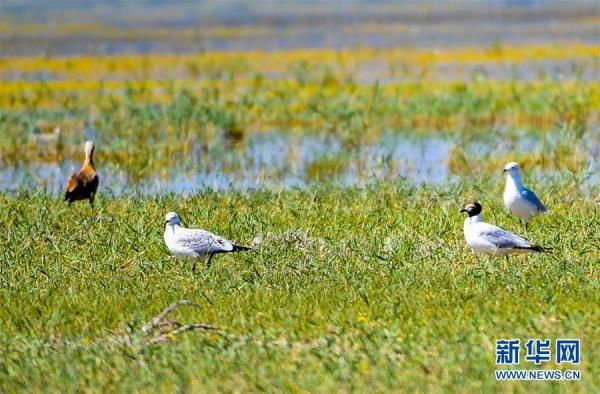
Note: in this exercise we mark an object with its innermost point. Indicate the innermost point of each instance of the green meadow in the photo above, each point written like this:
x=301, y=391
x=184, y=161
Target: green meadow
x=339, y=143
x=347, y=289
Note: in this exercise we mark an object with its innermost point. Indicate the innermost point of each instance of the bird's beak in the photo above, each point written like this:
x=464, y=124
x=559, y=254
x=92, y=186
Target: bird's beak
x=463, y=210
x=504, y=170
x=166, y=222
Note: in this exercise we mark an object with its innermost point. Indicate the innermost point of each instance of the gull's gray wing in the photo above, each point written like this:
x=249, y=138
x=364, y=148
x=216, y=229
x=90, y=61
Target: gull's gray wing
x=530, y=196
x=203, y=242
x=502, y=239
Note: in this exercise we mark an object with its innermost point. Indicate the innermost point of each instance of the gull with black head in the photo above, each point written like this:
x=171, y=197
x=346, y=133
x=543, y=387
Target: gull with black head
x=195, y=243
x=519, y=200
x=486, y=238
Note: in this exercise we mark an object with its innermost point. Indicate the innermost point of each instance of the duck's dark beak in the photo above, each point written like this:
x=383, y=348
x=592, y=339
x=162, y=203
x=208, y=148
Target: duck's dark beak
x=463, y=210
x=504, y=170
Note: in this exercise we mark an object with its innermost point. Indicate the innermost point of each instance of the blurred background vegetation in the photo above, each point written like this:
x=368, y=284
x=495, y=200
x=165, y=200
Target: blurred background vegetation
x=241, y=94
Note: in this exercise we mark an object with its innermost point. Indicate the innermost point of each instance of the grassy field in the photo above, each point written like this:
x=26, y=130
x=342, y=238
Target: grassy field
x=339, y=142
x=347, y=289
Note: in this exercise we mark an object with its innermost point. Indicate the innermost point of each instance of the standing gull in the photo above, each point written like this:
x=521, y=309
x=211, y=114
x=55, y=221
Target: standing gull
x=520, y=201
x=195, y=243
x=83, y=184
x=486, y=238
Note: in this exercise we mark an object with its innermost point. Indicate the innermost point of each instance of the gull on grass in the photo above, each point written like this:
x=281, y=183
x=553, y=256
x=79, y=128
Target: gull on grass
x=195, y=243
x=519, y=200
x=486, y=238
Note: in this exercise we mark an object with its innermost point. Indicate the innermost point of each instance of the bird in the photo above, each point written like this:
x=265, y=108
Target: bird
x=83, y=184
x=42, y=137
x=486, y=238
x=520, y=201
x=195, y=243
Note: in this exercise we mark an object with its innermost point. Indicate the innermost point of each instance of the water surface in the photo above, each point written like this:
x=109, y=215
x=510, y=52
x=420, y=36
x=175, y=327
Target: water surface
x=281, y=160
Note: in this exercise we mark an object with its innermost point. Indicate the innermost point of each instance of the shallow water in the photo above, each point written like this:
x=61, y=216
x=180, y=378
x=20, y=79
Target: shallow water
x=279, y=160
x=271, y=160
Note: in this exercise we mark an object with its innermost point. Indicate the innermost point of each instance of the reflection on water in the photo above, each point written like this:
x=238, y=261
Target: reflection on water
x=271, y=160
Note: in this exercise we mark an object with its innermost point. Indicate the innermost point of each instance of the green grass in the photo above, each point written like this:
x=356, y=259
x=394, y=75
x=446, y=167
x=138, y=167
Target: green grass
x=351, y=289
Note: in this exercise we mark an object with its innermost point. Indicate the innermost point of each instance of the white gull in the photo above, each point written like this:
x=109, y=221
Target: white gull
x=486, y=238
x=195, y=243
x=520, y=201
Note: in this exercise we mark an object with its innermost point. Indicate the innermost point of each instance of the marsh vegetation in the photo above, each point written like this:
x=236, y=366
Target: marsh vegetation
x=343, y=165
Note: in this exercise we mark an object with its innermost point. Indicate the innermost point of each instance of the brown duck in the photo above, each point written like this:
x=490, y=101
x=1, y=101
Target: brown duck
x=82, y=185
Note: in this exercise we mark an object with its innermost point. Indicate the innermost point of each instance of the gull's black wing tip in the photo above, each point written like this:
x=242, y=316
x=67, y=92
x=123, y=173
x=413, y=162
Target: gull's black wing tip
x=238, y=248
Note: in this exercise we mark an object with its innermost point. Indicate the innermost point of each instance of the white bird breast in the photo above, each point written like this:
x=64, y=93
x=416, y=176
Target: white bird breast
x=518, y=205
x=478, y=243
x=178, y=249
x=475, y=236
